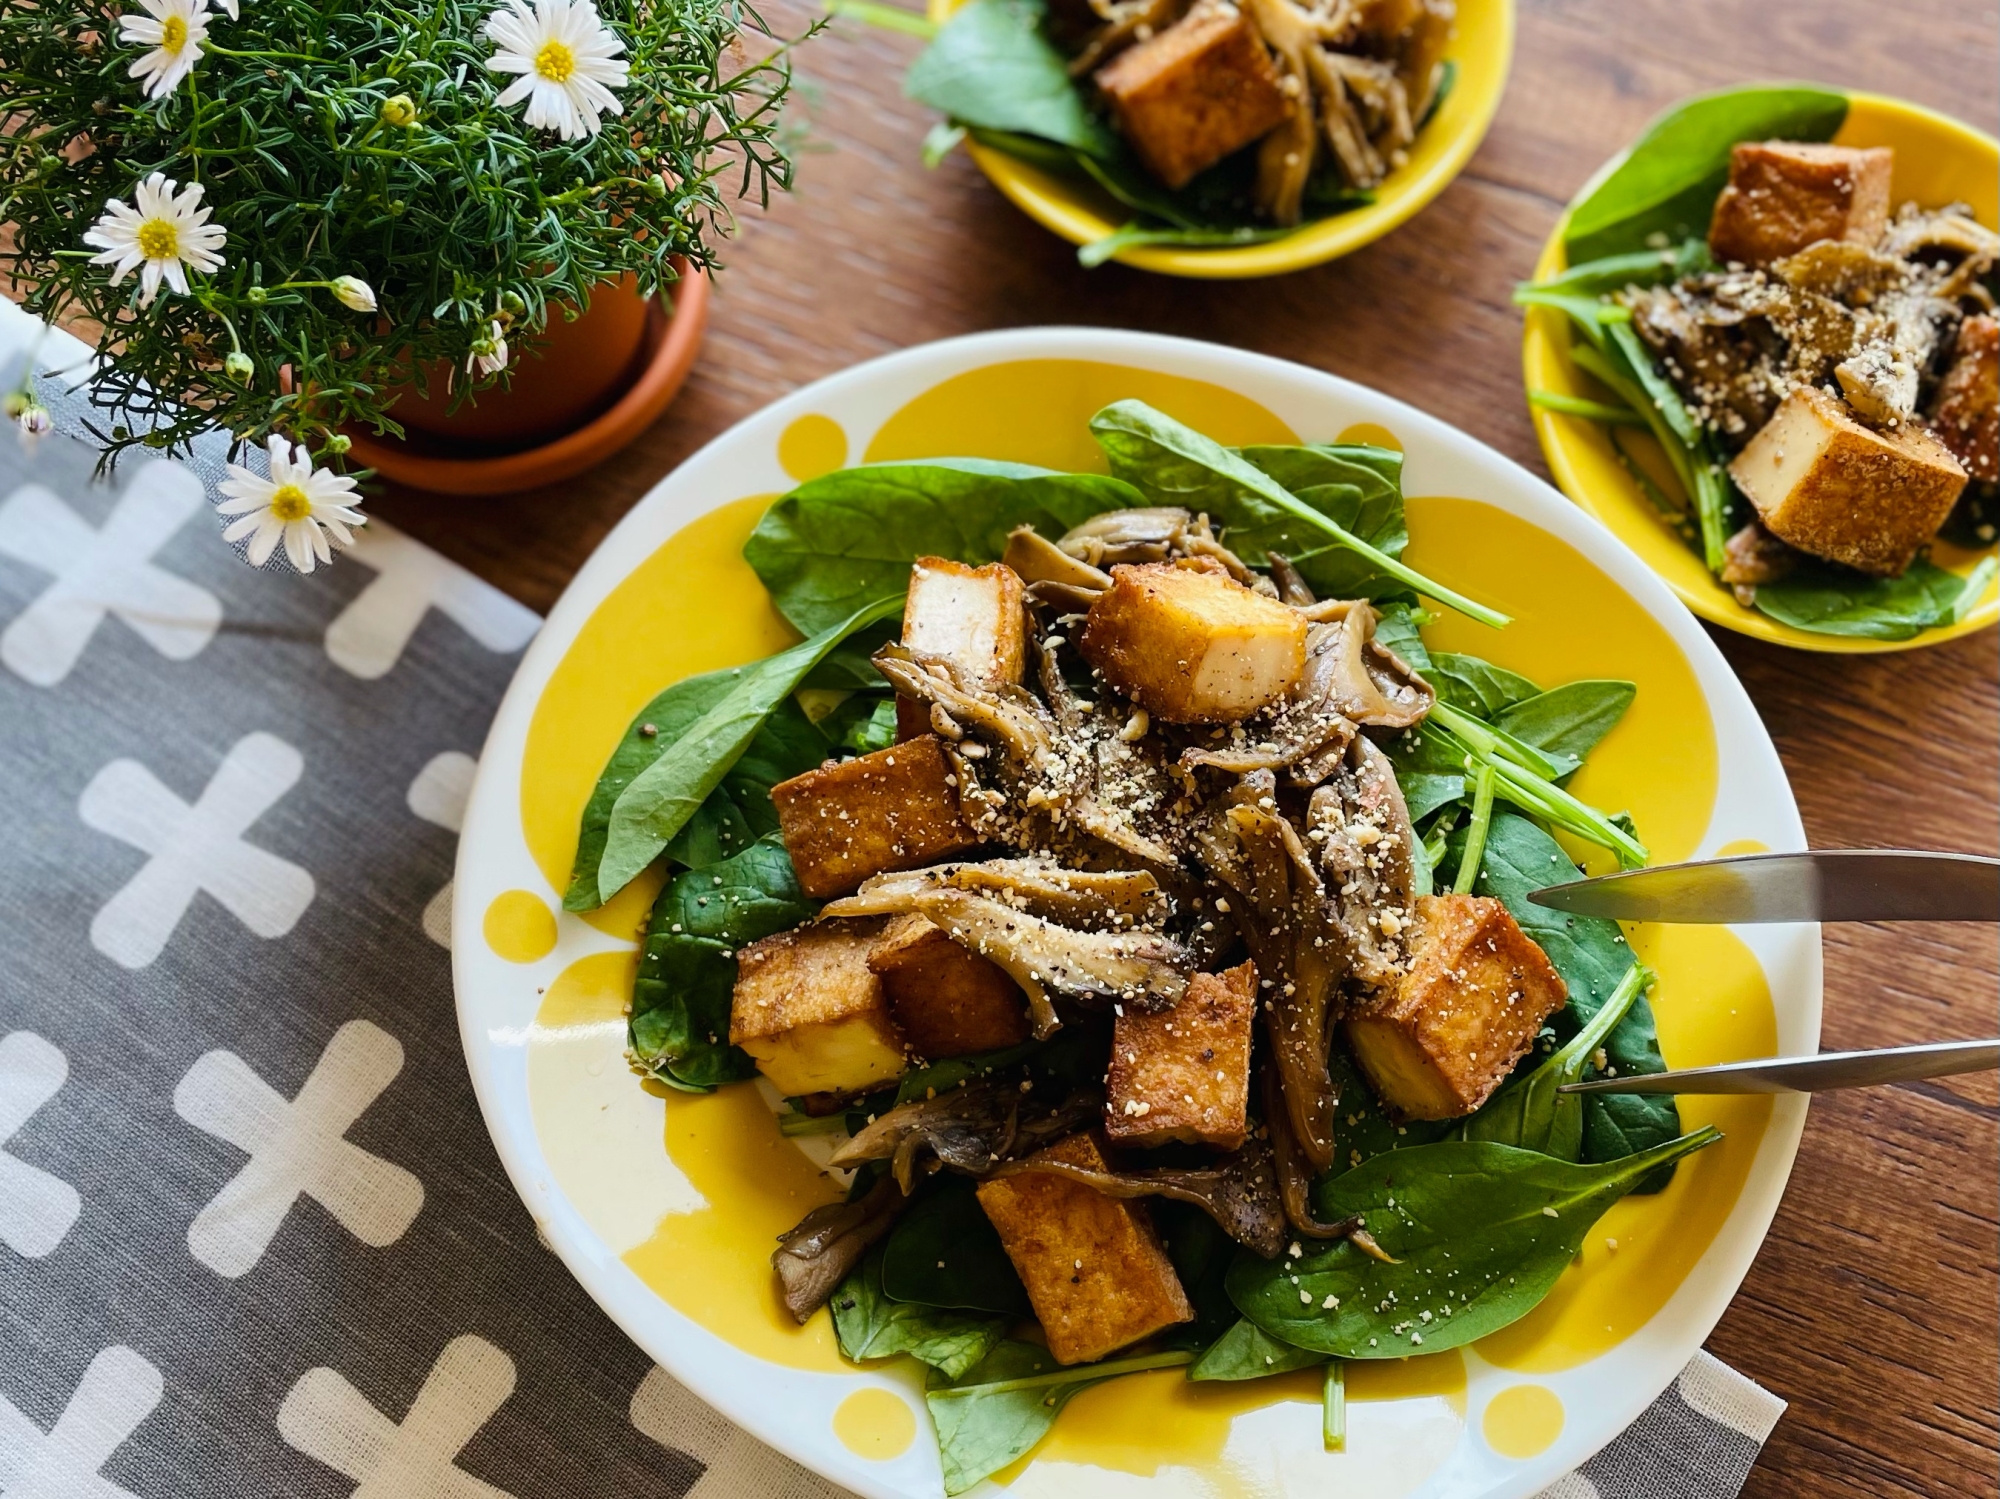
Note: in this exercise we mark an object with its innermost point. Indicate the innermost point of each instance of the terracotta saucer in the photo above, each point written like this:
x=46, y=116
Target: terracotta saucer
x=672, y=339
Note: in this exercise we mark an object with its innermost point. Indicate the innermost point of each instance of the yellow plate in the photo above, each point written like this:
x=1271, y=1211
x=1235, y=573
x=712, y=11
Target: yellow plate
x=1938, y=161
x=1482, y=48
x=666, y=1207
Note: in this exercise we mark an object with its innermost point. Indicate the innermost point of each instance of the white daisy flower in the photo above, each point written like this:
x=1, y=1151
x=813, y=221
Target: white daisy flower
x=567, y=59
x=298, y=504
x=174, y=30
x=489, y=354
x=230, y=6
x=164, y=235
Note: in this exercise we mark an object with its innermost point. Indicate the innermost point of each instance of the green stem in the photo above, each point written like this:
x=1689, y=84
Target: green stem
x=1573, y=1058
x=1550, y=801
x=1489, y=741
x=1595, y=411
x=1082, y=1374
x=888, y=17
x=1333, y=1404
x=1475, y=832
x=221, y=51
x=793, y=1125
x=1492, y=618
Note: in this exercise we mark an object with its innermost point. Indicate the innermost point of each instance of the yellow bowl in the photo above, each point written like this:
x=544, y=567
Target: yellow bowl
x=1938, y=161
x=1081, y=213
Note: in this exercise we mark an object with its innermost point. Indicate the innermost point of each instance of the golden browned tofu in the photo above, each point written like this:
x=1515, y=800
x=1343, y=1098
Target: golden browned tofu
x=1094, y=1268
x=812, y=1013
x=972, y=617
x=1785, y=195
x=1191, y=644
x=894, y=809
x=1184, y=1074
x=1195, y=92
x=1968, y=408
x=1472, y=1003
x=948, y=1002
x=1830, y=486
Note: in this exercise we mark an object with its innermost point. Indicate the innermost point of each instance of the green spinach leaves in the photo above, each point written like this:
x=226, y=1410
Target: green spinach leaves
x=1477, y=1232
x=992, y=67
x=687, y=962
x=870, y=1325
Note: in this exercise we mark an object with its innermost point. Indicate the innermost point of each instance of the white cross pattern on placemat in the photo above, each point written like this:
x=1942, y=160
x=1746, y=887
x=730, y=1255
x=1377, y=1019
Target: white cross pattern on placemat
x=195, y=848
x=119, y=1390
x=329, y=1420
x=297, y=1148
x=366, y=639
x=735, y=1463
x=36, y=1209
x=99, y=571
x=438, y=796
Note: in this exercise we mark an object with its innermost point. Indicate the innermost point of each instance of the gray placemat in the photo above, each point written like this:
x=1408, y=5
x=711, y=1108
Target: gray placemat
x=253, y=1237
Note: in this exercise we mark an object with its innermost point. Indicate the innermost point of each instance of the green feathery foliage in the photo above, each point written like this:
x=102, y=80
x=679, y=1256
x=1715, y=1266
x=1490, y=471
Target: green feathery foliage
x=337, y=138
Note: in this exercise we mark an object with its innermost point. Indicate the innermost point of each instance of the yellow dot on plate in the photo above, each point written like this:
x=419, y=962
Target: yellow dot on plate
x=876, y=1424
x=1742, y=846
x=811, y=446
x=1523, y=1420
x=1371, y=434
x=520, y=927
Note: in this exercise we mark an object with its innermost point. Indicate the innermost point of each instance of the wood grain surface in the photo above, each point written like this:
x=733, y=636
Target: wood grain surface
x=1873, y=1306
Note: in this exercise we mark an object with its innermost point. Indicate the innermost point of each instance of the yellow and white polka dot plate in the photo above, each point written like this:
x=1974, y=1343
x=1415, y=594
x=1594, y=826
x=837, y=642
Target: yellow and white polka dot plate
x=666, y=1209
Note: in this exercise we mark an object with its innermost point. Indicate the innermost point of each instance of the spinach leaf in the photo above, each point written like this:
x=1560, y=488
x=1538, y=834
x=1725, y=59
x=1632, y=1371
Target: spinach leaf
x=1479, y=1233
x=1569, y=721
x=863, y=724
x=1425, y=791
x=1136, y=234
x=1667, y=183
x=660, y=799
x=1479, y=687
x=944, y=1253
x=1201, y=1253
x=1177, y=465
x=1592, y=956
x=717, y=830
x=991, y=66
x=1533, y=1112
x=870, y=1325
x=1397, y=630
x=687, y=962
x=1246, y=1351
x=849, y=666
x=851, y=535
x=1362, y=1128
x=1007, y=1404
x=953, y=1072
x=1830, y=600
x=1360, y=488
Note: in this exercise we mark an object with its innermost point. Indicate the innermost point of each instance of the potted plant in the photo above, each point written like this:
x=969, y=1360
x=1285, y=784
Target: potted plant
x=321, y=222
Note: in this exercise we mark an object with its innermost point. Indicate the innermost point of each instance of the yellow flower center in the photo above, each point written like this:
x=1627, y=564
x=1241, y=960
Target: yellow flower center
x=173, y=35
x=289, y=503
x=159, y=240
x=555, y=62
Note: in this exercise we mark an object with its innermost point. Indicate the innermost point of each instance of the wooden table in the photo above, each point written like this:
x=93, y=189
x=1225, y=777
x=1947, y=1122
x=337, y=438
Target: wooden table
x=1873, y=1306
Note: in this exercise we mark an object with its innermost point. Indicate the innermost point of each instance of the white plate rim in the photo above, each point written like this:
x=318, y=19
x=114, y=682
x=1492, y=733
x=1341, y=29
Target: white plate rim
x=493, y=857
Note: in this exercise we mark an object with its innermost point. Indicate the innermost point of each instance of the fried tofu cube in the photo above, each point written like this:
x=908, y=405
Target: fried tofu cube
x=971, y=616
x=1184, y=1074
x=812, y=1012
x=1477, y=991
x=1195, y=92
x=1968, y=408
x=948, y=1001
x=1191, y=644
x=895, y=809
x=1850, y=493
x=1785, y=195
x=1096, y=1272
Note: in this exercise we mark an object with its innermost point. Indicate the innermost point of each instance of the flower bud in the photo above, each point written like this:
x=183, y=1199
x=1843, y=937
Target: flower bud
x=511, y=304
x=238, y=367
x=339, y=443
x=400, y=110
x=352, y=291
x=16, y=402
x=655, y=187
x=256, y=296
x=35, y=421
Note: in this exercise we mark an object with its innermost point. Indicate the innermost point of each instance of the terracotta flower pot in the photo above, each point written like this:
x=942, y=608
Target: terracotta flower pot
x=581, y=391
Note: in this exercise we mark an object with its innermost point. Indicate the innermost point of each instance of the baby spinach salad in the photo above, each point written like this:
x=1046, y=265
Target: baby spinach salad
x=1133, y=910
x=1207, y=126
x=1812, y=378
